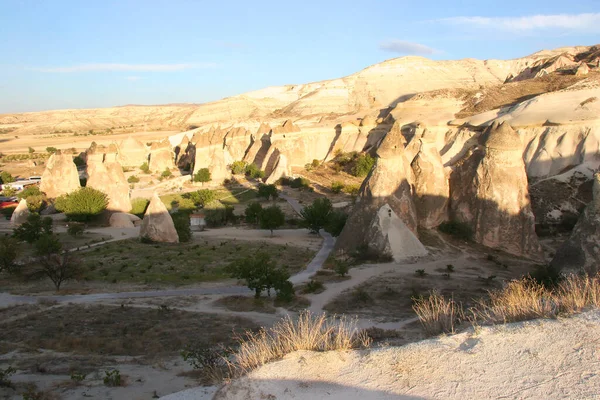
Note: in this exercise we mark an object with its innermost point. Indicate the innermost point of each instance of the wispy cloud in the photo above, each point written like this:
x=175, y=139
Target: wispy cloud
x=95, y=67
x=405, y=47
x=588, y=22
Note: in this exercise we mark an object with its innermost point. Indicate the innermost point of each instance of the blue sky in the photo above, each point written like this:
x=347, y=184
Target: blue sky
x=79, y=54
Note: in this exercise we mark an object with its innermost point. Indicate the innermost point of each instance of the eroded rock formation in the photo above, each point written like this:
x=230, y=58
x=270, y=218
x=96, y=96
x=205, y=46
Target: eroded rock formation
x=489, y=191
x=20, y=213
x=161, y=156
x=109, y=178
x=132, y=152
x=123, y=220
x=60, y=176
x=581, y=252
x=157, y=224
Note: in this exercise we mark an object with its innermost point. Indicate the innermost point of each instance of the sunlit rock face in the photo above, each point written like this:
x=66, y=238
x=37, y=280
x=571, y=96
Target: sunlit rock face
x=60, y=176
x=489, y=191
x=157, y=224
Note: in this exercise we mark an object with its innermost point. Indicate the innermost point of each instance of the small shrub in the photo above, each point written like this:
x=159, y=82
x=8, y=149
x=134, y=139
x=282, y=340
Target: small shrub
x=33, y=228
x=268, y=191
x=300, y=183
x=341, y=267
x=352, y=190
x=5, y=376
x=83, y=205
x=271, y=218
x=363, y=165
x=9, y=191
x=112, y=378
x=459, y=230
x=133, y=179
x=420, y=273
x=313, y=287
x=6, y=177
x=145, y=168
x=138, y=206
x=203, y=175
x=437, y=314
x=204, y=357
x=337, y=187
x=166, y=173
x=239, y=167
x=252, y=212
x=75, y=229
x=9, y=252
x=78, y=377
x=254, y=172
x=181, y=220
x=450, y=268
x=51, y=150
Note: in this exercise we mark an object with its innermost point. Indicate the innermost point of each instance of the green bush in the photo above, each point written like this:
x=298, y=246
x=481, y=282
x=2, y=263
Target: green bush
x=30, y=191
x=203, y=175
x=352, y=190
x=271, y=218
x=82, y=205
x=201, y=197
x=239, y=167
x=335, y=222
x=313, y=287
x=260, y=273
x=5, y=376
x=268, y=191
x=112, y=378
x=51, y=150
x=9, y=251
x=133, y=179
x=316, y=215
x=254, y=172
x=341, y=267
x=337, y=187
x=457, y=229
x=75, y=229
x=363, y=165
x=145, y=168
x=166, y=173
x=181, y=220
x=219, y=215
x=33, y=228
x=9, y=191
x=138, y=206
x=46, y=245
x=252, y=212
x=6, y=177
x=300, y=183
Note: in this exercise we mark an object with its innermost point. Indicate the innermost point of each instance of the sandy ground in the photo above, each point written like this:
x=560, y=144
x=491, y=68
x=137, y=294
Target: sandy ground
x=293, y=237
x=544, y=359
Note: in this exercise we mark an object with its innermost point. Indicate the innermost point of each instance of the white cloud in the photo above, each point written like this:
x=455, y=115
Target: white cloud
x=125, y=67
x=589, y=22
x=405, y=47
x=133, y=78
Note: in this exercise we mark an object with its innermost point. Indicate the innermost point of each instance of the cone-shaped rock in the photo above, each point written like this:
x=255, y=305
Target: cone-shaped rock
x=489, y=191
x=132, y=152
x=581, y=252
x=161, y=156
x=109, y=178
x=432, y=189
x=157, y=224
x=385, y=200
x=60, y=176
x=20, y=214
x=281, y=169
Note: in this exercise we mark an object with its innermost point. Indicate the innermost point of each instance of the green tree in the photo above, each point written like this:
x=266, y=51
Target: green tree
x=9, y=191
x=363, y=165
x=33, y=228
x=47, y=244
x=145, y=168
x=260, y=273
x=336, y=222
x=238, y=167
x=51, y=150
x=181, y=220
x=201, y=197
x=271, y=218
x=6, y=177
x=166, y=173
x=254, y=172
x=60, y=267
x=252, y=212
x=75, y=229
x=316, y=215
x=9, y=251
x=36, y=200
x=133, y=179
x=203, y=175
x=337, y=186
x=82, y=205
x=268, y=191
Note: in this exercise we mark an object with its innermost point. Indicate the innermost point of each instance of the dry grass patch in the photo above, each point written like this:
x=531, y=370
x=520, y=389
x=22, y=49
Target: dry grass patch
x=519, y=300
x=307, y=332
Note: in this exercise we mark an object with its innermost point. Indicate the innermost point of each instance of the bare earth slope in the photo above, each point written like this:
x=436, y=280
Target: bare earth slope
x=545, y=359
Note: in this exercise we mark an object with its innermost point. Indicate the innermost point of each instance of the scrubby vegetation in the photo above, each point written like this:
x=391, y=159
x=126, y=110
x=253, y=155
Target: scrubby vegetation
x=83, y=205
x=260, y=273
x=203, y=175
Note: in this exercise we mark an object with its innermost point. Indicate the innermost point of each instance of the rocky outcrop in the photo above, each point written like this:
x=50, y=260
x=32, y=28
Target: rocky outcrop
x=20, y=213
x=60, y=176
x=212, y=154
x=132, y=152
x=281, y=169
x=385, y=205
x=581, y=252
x=110, y=179
x=157, y=224
x=432, y=189
x=489, y=191
x=161, y=156
x=123, y=220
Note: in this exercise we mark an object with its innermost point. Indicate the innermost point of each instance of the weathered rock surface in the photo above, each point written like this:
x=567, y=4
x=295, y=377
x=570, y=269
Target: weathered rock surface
x=110, y=179
x=20, y=214
x=281, y=169
x=60, y=176
x=387, y=189
x=157, y=224
x=489, y=191
x=123, y=220
x=581, y=252
x=132, y=152
x=432, y=189
x=161, y=156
